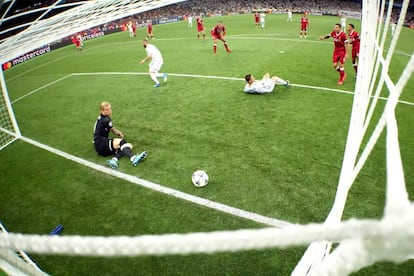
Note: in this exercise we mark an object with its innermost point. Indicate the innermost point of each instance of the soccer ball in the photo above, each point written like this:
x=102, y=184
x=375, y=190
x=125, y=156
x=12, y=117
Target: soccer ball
x=199, y=178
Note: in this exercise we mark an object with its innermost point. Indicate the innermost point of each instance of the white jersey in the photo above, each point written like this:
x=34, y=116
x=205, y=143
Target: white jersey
x=154, y=53
x=190, y=20
x=262, y=17
x=260, y=86
x=289, y=14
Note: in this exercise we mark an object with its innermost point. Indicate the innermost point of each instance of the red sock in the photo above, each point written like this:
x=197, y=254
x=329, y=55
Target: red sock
x=227, y=47
x=342, y=73
x=215, y=48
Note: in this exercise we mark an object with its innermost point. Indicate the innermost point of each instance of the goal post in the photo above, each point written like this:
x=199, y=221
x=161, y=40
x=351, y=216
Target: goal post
x=373, y=77
x=9, y=129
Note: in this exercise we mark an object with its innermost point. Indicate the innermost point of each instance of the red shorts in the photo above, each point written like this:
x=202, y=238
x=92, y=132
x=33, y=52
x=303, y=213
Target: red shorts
x=303, y=27
x=216, y=36
x=339, y=57
x=200, y=28
x=257, y=20
x=355, y=53
x=78, y=44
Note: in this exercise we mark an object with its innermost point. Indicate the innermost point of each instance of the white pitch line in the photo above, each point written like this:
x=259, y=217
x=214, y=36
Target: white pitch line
x=231, y=78
x=159, y=188
x=40, y=88
x=196, y=76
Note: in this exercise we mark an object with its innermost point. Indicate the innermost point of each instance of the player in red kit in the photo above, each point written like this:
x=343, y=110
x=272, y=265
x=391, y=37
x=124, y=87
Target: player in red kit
x=354, y=39
x=218, y=33
x=257, y=19
x=149, y=30
x=304, y=24
x=200, y=28
x=340, y=51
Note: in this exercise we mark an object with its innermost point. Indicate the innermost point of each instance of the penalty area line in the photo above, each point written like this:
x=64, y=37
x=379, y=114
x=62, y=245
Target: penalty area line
x=162, y=189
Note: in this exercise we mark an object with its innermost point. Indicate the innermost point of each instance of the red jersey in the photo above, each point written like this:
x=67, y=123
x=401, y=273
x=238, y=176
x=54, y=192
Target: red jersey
x=257, y=17
x=200, y=24
x=354, y=39
x=218, y=30
x=304, y=21
x=149, y=28
x=339, y=40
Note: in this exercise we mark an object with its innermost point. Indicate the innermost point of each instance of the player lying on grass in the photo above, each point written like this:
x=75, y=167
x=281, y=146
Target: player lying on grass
x=106, y=146
x=265, y=85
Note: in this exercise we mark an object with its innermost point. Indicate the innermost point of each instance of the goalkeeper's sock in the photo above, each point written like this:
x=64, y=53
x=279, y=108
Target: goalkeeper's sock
x=127, y=151
x=118, y=155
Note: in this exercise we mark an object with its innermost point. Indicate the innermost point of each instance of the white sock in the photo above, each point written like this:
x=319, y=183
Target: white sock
x=281, y=81
x=132, y=158
x=154, y=78
x=159, y=75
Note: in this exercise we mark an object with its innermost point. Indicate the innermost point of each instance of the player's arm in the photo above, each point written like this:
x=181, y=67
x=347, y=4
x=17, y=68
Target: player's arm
x=145, y=59
x=117, y=132
x=324, y=37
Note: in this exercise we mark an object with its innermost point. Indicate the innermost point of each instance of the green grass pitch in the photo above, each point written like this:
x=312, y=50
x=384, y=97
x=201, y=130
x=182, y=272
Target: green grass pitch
x=278, y=155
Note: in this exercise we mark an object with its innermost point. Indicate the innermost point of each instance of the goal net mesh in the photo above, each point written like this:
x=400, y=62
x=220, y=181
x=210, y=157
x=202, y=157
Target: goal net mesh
x=9, y=130
x=361, y=242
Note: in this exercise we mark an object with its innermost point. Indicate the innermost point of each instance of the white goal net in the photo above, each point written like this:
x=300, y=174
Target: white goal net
x=361, y=243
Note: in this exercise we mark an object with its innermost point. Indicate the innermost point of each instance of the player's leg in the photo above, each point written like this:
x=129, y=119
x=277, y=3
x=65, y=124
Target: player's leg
x=153, y=75
x=301, y=33
x=355, y=55
x=342, y=73
x=280, y=81
x=154, y=71
x=226, y=45
x=214, y=45
x=204, y=35
x=123, y=148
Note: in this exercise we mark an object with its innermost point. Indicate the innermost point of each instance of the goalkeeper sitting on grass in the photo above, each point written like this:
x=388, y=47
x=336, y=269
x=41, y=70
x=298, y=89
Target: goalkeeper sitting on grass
x=265, y=85
x=106, y=146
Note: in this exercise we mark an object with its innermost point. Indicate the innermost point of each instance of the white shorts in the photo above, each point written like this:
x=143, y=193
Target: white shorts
x=268, y=86
x=155, y=65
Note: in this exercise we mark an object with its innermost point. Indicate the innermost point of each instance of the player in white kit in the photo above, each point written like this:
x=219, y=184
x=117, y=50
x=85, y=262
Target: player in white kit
x=130, y=29
x=155, y=56
x=265, y=85
x=262, y=20
x=343, y=23
x=190, y=21
x=290, y=16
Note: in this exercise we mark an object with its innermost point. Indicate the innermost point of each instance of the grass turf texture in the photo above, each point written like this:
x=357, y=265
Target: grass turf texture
x=278, y=155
